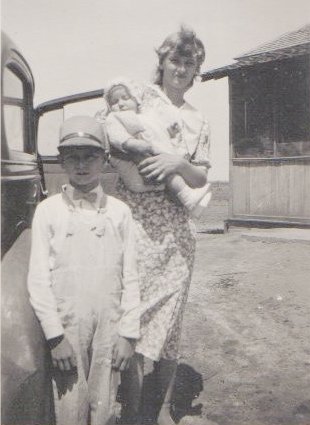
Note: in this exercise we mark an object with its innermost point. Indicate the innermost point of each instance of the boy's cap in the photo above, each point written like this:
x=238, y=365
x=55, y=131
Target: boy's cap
x=82, y=131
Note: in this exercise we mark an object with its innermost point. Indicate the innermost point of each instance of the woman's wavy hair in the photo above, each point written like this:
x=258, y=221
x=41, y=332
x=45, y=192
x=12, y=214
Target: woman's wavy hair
x=185, y=43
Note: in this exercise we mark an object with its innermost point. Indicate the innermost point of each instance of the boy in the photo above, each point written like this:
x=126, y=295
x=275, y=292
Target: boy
x=83, y=280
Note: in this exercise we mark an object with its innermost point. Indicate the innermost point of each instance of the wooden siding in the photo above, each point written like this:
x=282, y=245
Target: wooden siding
x=272, y=190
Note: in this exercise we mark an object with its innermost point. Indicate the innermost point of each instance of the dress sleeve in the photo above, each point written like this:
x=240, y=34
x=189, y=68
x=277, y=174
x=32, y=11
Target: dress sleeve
x=201, y=156
x=39, y=278
x=129, y=325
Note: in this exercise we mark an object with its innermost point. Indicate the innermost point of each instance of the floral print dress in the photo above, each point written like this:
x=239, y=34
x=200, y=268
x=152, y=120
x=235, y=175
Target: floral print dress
x=165, y=242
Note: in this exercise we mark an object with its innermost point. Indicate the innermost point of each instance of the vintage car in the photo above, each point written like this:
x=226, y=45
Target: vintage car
x=29, y=166
x=25, y=382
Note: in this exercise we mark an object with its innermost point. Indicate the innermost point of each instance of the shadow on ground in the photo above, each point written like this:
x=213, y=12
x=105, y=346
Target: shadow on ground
x=188, y=386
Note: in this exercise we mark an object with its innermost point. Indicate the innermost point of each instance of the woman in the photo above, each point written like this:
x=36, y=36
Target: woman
x=165, y=236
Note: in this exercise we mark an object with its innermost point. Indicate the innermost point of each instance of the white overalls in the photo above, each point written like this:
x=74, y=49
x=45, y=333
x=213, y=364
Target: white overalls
x=87, y=284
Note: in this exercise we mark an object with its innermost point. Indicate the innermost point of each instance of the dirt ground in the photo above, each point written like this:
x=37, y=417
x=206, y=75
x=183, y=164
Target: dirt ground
x=246, y=335
x=245, y=352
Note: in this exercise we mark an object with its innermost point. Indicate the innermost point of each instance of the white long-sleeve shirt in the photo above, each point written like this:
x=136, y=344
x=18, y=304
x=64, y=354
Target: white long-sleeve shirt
x=49, y=229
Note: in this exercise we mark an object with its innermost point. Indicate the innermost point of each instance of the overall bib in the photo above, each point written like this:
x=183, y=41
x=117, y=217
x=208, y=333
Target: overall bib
x=86, y=282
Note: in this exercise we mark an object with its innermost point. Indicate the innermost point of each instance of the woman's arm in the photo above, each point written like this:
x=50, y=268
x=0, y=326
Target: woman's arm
x=161, y=166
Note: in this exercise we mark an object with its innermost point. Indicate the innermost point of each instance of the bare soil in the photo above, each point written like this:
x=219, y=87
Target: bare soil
x=246, y=332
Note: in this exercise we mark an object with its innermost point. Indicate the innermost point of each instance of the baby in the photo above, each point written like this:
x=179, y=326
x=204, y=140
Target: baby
x=135, y=134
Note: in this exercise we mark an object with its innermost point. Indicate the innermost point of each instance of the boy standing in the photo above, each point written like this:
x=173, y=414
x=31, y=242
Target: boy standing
x=83, y=280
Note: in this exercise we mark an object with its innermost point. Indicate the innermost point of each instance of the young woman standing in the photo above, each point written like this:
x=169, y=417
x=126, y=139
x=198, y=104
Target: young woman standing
x=165, y=235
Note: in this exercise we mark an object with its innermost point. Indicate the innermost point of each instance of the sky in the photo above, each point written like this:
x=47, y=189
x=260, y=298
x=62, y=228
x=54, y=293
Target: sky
x=78, y=45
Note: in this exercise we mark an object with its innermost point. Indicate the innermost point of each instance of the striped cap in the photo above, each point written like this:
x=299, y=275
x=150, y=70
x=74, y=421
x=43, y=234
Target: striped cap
x=82, y=131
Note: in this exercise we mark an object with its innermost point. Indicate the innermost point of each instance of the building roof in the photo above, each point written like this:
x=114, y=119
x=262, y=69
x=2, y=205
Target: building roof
x=285, y=41
x=286, y=46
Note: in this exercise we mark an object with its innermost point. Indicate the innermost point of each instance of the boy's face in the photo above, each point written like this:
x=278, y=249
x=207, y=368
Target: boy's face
x=83, y=166
x=121, y=100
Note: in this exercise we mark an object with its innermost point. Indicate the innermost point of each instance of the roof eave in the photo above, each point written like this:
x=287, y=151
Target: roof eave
x=254, y=60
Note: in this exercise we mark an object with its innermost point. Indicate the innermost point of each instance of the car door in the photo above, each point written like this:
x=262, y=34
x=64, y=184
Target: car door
x=49, y=117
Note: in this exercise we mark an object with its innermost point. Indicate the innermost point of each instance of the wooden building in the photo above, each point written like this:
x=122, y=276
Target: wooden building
x=269, y=97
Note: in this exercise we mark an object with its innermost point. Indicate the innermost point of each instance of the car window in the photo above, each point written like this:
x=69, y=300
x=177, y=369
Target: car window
x=48, y=132
x=87, y=107
x=14, y=97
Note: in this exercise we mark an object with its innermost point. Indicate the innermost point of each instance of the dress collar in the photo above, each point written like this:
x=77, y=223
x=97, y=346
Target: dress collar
x=156, y=89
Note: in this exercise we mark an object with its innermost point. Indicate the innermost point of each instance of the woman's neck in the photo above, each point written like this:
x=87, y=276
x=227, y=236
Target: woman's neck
x=175, y=95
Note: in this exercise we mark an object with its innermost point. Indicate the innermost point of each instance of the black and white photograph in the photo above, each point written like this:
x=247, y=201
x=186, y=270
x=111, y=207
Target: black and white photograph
x=155, y=212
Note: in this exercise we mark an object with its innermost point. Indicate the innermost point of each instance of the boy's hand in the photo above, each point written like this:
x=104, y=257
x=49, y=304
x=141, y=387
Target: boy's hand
x=123, y=350
x=63, y=356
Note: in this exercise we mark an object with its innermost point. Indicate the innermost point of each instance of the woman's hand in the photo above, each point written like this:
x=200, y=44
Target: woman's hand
x=159, y=167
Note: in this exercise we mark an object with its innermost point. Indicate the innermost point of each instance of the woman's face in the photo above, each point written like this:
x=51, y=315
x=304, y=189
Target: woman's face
x=178, y=71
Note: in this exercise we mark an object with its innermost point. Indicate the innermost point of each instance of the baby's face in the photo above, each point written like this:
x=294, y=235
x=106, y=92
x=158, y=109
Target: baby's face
x=121, y=100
